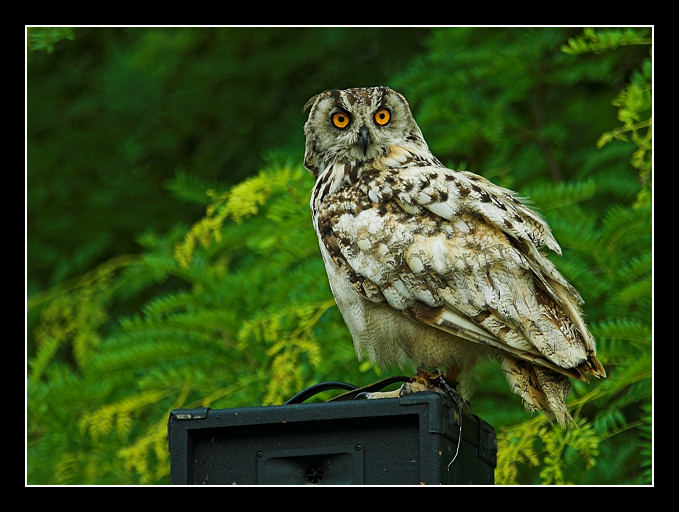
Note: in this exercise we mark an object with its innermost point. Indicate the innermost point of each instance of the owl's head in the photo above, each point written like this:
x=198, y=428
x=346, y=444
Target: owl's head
x=357, y=125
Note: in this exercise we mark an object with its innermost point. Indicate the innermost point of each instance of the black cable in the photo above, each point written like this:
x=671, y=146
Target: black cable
x=317, y=388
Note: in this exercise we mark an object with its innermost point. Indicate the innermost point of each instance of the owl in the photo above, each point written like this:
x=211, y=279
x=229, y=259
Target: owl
x=434, y=266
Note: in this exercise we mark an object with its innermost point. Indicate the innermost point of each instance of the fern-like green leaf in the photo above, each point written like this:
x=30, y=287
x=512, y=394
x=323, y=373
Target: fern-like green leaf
x=602, y=40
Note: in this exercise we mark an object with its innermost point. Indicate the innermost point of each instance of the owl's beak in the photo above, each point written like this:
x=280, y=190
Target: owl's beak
x=364, y=138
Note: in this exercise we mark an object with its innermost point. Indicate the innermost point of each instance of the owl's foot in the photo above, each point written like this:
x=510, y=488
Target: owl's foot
x=414, y=384
x=444, y=383
x=422, y=381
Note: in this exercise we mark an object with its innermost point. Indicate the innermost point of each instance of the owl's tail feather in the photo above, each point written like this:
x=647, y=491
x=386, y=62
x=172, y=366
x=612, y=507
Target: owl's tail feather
x=592, y=366
x=541, y=389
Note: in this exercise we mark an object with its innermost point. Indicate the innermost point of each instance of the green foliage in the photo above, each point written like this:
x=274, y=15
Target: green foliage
x=226, y=302
x=552, y=449
x=249, y=321
x=596, y=41
x=118, y=116
x=634, y=102
x=46, y=38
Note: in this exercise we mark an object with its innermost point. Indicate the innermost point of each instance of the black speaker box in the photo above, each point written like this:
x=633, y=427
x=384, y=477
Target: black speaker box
x=419, y=438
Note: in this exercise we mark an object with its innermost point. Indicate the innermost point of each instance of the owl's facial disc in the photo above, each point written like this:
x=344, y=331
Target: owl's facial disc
x=354, y=125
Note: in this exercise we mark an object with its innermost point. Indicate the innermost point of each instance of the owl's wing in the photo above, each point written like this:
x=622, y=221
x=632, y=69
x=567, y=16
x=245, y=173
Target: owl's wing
x=452, y=250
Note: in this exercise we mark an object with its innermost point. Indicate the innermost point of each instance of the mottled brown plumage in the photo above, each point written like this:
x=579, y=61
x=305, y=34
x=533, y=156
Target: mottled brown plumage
x=437, y=266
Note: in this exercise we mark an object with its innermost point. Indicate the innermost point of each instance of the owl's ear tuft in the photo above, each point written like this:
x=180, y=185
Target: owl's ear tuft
x=314, y=99
x=310, y=102
x=402, y=97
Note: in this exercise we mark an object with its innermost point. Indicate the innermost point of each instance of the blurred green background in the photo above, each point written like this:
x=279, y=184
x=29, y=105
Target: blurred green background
x=172, y=262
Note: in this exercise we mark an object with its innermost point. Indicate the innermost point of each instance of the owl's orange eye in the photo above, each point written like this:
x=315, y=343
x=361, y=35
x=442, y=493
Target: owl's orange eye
x=382, y=116
x=340, y=119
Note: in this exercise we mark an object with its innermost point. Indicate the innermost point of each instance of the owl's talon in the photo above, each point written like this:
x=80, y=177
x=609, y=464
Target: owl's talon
x=449, y=389
x=427, y=381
